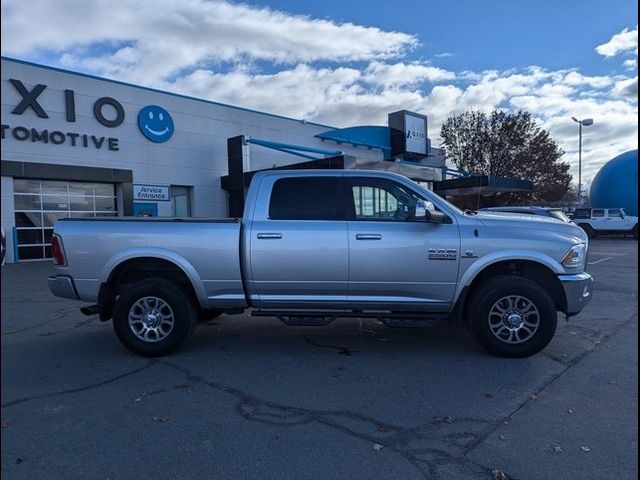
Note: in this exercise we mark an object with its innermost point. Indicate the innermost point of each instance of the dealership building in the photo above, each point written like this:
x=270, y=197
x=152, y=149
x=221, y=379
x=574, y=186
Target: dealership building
x=75, y=145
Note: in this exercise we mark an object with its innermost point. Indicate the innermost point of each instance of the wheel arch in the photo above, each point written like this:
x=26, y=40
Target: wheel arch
x=135, y=263
x=544, y=274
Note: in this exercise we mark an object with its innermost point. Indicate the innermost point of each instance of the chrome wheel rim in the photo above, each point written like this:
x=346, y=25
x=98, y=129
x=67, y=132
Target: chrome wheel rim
x=514, y=319
x=151, y=319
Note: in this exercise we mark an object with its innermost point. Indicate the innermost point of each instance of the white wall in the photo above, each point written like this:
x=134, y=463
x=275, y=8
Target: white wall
x=196, y=155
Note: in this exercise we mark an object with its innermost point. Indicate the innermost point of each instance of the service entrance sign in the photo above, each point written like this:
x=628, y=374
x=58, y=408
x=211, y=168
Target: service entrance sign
x=158, y=193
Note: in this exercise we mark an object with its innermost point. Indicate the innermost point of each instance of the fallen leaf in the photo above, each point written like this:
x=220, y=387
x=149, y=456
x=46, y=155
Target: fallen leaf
x=613, y=382
x=6, y=424
x=377, y=446
x=584, y=448
x=534, y=396
x=499, y=475
x=161, y=419
x=447, y=419
x=557, y=449
x=140, y=398
x=504, y=437
x=488, y=395
x=18, y=461
x=383, y=428
x=570, y=411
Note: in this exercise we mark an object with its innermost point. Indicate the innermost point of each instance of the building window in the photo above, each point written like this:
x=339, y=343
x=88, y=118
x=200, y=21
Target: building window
x=38, y=204
x=180, y=201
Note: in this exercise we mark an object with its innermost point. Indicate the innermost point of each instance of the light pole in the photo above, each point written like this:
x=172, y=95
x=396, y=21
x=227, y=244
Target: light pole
x=586, y=122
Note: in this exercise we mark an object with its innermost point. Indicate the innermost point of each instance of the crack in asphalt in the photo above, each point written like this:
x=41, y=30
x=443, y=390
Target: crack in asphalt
x=341, y=350
x=78, y=389
x=62, y=313
x=439, y=442
x=601, y=341
x=442, y=441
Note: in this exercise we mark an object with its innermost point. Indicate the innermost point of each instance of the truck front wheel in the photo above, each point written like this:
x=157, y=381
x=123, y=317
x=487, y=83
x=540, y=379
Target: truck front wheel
x=512, y=316
x=154, y=317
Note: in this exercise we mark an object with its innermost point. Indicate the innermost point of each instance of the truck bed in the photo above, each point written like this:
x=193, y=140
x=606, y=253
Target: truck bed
x=206, y=249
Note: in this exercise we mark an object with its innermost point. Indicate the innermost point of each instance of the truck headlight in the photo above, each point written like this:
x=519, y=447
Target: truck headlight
x=576, y=255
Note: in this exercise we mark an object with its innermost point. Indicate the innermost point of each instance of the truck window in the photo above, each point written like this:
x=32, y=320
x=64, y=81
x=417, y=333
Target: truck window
x=306, y=198
x=597, y=212
x=614, y=213
x=381, y=200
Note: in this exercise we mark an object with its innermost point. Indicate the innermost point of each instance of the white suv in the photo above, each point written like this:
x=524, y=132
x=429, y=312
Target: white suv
x=596, y=221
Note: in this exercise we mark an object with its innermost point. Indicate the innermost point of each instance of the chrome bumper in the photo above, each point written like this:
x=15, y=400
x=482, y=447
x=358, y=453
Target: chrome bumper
x=62, y=286
x=577, y=290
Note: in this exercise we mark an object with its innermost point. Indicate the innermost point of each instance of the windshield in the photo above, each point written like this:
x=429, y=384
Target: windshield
x=560, y=215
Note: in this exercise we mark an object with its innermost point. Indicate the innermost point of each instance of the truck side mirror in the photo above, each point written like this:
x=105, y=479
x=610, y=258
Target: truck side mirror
x=424, y=214
x=433, y=216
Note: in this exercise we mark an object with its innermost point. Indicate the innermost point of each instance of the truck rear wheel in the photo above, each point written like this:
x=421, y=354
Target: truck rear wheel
x=589, y=230
x=154, y=317
x=512, y=316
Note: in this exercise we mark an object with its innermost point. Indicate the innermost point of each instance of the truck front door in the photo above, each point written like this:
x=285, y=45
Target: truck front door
x=298, y=244
x=395, y=260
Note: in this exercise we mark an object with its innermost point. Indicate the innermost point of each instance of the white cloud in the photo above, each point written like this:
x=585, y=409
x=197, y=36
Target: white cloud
x=337, y=73
x=624, y=42
x=404, y=74
x=444, y=55
x=150, y=40
x=627, y=88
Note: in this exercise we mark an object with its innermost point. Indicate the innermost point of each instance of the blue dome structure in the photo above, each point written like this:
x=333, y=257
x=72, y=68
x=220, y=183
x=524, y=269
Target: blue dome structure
x=616, y=184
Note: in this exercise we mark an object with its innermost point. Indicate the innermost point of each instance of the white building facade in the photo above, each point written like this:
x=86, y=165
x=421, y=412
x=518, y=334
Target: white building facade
x=74, y=145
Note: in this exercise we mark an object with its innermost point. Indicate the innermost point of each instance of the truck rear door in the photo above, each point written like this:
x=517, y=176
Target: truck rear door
x=298, y=244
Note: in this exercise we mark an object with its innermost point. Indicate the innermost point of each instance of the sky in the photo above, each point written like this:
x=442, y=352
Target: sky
x=346, y=63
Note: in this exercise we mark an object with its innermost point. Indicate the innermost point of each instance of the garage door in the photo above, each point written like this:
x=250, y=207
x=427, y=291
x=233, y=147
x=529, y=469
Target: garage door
x=39, y=203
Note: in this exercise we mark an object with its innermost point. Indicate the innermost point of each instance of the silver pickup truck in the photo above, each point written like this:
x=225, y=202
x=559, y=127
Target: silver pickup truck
x=316, y=245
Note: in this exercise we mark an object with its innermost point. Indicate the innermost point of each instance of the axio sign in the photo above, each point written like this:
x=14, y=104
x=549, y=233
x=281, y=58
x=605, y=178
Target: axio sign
x=415, y=133
x=109, y=112
x=408, y=135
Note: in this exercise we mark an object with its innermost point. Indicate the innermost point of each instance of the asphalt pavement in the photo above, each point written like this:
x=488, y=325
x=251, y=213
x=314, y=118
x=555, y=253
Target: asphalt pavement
x=255, y=399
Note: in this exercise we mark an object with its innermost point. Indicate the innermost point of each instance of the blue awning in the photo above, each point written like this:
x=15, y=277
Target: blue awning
x=370, y=136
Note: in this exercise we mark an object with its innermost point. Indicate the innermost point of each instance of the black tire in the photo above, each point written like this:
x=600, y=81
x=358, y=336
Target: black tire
x=589, y=230
x=635, y=231
x=181, y=306
x=487, y=295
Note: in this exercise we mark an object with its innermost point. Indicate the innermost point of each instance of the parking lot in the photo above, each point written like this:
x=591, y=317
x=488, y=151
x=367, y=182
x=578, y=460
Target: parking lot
x=252, y=398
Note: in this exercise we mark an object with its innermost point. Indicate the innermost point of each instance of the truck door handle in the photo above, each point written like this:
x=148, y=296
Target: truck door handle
x=269, y=235
x=368, y=236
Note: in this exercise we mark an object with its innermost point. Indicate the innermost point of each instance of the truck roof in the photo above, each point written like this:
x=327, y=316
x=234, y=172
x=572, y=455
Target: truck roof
x=329, y=172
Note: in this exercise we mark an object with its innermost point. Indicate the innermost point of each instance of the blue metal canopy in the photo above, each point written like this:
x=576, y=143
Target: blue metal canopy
x=370, y=136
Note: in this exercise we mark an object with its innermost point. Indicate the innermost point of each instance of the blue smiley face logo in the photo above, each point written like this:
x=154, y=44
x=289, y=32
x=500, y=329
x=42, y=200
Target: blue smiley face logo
x=155, y=123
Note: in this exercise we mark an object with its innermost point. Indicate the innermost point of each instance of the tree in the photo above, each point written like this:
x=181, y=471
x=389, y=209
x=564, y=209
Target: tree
x=507, y=145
